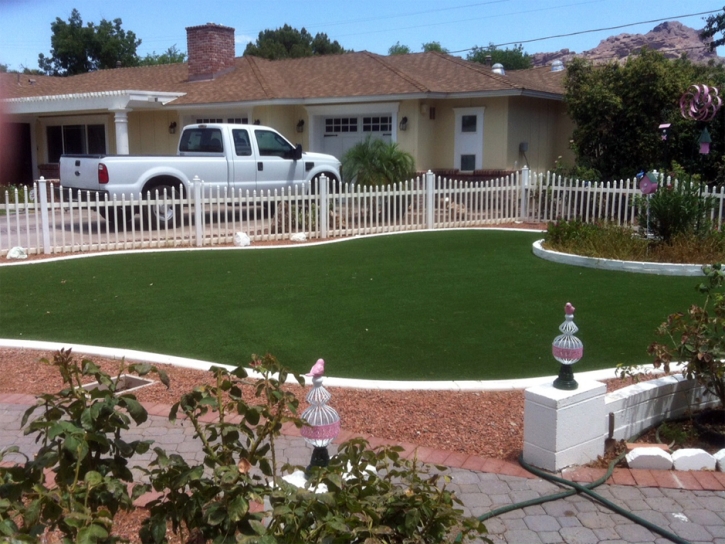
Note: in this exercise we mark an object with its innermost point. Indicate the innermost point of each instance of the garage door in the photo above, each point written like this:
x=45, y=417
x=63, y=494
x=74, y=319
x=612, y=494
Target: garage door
x=341, y=133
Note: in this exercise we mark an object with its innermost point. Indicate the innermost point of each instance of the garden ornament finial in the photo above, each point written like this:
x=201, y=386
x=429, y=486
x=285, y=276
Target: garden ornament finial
x=567, y=349
x=318, y=369
x=323, y=421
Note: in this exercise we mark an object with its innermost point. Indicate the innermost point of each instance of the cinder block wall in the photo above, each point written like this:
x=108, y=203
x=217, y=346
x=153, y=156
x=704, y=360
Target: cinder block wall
x=642, y=405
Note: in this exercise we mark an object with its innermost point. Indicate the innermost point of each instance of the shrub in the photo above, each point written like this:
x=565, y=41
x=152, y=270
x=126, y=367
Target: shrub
x=697, y=338
x=609, y=241
x=82, y=443
x=80, y=431
x=211, y=500
x=372, y=497
x=677, y=208
x=375, y=162
x=595, y=240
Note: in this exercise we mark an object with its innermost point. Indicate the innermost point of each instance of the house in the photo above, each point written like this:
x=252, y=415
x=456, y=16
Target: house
x=452, y=115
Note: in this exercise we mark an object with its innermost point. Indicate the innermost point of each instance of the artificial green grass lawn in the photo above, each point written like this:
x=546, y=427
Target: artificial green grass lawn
x=420, y=306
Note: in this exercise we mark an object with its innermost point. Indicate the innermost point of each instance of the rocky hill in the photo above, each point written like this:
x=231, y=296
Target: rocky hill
x=671, y=38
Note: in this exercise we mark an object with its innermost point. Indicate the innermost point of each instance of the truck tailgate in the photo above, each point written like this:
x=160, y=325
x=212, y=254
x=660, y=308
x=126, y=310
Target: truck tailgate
x=80, y=172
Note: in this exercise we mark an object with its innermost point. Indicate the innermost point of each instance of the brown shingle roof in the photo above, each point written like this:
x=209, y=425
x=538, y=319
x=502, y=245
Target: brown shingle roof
x=359, y=74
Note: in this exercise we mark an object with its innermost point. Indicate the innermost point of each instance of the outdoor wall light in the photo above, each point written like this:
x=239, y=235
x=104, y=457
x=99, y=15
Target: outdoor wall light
x=403, y=125
x=172, y=127
x=567, y=349
x=301, y=125
x=323, y=420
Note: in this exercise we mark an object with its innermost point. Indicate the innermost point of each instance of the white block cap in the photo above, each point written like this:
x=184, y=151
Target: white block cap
x=649, y=458
x=693, y=459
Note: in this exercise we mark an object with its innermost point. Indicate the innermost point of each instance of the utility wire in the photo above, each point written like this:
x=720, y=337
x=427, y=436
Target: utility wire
x=594, y=30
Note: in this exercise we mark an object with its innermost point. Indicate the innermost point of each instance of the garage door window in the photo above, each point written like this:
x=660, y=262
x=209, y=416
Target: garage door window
x=340, y=124
x=378, y=124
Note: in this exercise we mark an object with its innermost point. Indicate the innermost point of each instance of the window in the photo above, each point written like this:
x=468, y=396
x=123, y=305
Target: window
x=377, y=124
x=469, y=123
x=75, y=140
x=468, y=163
x=272, y=144
x=341, y=124
x=230, y=120
x=201, y=140
x=242, y=144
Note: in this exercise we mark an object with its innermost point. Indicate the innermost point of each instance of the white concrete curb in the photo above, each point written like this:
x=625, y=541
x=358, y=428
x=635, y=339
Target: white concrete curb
x=389, y=385
x=252, y=247
x=662, y=269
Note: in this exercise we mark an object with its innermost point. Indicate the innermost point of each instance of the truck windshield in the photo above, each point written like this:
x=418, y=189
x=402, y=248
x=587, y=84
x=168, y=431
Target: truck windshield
x=207, y=140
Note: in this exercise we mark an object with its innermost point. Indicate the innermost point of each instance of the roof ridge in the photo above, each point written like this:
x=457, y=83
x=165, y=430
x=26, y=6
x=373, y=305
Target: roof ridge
x=479, y=68
x=400, y=73
x=256, y=70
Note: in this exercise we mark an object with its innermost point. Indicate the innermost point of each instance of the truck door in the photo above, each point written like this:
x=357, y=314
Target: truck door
x=244, y=175
x=205, y=144
x=276, y=167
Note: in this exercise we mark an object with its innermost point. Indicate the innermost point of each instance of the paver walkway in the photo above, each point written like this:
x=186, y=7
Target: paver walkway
x=690, y=505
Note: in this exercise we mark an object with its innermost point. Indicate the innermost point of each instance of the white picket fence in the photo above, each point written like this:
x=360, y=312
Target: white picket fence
x=39, y=220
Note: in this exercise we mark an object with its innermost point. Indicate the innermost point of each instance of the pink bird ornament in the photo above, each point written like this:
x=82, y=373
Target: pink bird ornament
x=318, y=369
x=569, y=309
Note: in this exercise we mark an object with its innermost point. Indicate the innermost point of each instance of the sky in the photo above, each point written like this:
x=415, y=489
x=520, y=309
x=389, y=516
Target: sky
x=369, y=25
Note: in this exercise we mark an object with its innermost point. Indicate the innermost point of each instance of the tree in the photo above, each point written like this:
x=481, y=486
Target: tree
x=77, y=48
x=398, y=49
x=511, y=59
x=714, y=24
x=617, y=109
x=170, y=56
x=3, y=68
x=288, y=42
x=434, y=46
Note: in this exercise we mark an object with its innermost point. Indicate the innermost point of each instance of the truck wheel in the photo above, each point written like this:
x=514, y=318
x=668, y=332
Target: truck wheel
x=164, y=213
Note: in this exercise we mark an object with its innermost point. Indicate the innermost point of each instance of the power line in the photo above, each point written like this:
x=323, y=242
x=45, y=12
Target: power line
x=595, y=30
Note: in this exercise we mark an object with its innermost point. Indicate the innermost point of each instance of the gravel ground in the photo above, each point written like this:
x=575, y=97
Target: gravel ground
x=485, y=423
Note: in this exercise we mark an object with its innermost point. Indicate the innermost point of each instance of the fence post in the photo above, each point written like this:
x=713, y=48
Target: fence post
x=323, y=214
x=44, y=219
x=429, y=200
x=198, y=211
x=524, y=210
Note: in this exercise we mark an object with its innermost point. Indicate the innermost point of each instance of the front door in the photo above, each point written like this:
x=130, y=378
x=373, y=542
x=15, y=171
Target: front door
x=469, y=139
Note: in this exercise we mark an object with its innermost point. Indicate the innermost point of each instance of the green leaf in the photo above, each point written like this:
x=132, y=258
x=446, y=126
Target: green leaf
x=93, y=478
x=215, y=515
x=257, y=527
x=135, y=409
x=252, y=416
x=237, y=508
x=91, y=534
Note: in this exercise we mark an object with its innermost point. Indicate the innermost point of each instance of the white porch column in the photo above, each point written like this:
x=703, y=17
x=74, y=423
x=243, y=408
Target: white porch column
x=121, y=124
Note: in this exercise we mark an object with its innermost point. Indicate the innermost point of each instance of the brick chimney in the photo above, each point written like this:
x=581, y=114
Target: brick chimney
x=211, y=50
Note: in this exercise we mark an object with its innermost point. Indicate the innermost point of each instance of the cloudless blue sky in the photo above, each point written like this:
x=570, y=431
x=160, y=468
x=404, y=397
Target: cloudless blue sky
x=372, y=25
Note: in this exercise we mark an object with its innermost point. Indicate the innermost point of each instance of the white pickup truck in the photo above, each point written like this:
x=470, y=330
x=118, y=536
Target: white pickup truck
x=247, y=157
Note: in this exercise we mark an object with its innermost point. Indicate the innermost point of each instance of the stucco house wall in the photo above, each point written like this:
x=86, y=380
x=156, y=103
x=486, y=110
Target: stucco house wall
x=544, y=127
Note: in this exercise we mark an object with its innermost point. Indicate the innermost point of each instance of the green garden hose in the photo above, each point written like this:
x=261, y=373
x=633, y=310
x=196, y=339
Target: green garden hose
x=578, y=488
x=587, y=490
